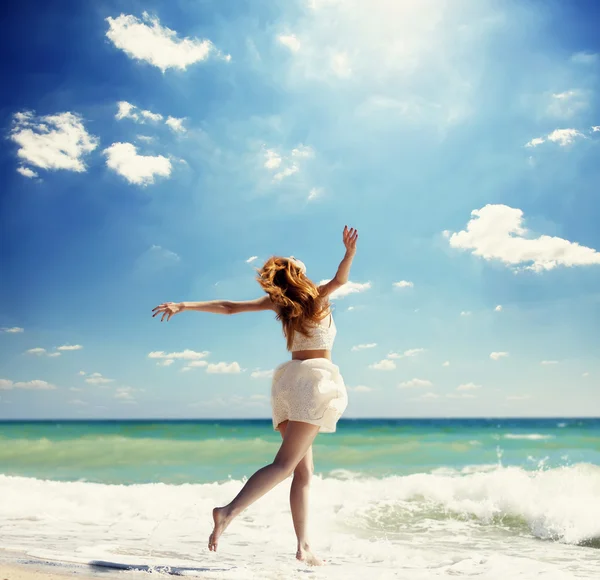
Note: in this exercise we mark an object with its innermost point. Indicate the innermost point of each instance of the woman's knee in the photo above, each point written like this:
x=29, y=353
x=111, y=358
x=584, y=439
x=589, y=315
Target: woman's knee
x=304, y=472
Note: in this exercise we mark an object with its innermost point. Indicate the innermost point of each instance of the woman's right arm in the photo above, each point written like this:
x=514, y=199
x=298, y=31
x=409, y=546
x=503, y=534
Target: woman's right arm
x=350, y=237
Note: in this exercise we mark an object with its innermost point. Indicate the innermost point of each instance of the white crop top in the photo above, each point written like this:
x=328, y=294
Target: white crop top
x=321, y=336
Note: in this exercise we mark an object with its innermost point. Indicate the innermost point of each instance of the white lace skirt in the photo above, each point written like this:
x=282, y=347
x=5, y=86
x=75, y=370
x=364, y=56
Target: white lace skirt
x=311, y=391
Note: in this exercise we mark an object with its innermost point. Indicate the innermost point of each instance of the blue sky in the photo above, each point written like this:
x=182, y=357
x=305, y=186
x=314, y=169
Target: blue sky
x=152, y=148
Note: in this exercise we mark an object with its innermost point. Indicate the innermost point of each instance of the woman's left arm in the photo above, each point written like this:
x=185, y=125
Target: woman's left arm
x=169, y=309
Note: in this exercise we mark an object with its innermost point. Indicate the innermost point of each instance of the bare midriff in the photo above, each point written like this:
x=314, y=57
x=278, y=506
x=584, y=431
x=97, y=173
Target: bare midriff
x=308, y=354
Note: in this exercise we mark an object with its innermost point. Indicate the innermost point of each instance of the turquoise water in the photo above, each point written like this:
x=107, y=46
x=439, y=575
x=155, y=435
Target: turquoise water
x=129, y=452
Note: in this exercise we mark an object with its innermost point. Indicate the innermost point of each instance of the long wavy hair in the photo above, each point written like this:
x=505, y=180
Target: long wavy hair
x=296, y=296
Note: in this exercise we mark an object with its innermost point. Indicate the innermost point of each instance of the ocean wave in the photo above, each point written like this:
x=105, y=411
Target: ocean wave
x=529, y=436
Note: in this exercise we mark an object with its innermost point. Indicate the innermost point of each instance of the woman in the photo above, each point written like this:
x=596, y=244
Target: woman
x=307, y=393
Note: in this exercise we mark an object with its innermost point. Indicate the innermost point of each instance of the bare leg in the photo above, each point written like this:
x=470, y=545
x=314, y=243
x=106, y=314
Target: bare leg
x=299, y=493
x=297, y=440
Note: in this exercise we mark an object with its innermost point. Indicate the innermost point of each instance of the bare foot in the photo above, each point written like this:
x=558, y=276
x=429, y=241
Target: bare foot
x=222, y=519
x=305, y=555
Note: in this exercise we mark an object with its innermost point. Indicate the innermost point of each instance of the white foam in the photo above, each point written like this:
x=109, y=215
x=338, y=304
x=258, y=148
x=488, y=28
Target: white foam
x=382, y=528
x=530, y=436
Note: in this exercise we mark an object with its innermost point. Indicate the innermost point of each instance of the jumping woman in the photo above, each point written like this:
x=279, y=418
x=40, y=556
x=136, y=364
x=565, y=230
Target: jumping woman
x=308, y=394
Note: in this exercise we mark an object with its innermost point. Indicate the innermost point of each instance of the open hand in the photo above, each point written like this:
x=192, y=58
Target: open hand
x=350, y=237
x=167, y=309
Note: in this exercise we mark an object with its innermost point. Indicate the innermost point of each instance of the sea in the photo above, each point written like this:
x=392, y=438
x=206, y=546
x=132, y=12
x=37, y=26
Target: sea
x=391, y=498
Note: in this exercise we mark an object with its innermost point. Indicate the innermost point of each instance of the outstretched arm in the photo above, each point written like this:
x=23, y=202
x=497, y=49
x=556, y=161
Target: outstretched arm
x=169, y=309
x=350, y=236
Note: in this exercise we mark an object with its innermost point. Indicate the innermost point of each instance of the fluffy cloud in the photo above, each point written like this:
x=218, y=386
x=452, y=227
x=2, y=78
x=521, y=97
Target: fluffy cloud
x=403, y=284
x=128, y=111
x=146, y=40
x=498, y=308
x=165, y=363
x=222, y=367
x=289, y=164
x=69, y=347
x=97, y=379
x=27, y=172
x=186, y=354
x=138, y=169
x=35, y=385
x=415, y=383
x=347, y=289
x=411, y=352
x=13, y=330
x=468, y=387
x=290, y=41
x=194, y=365
x=563, y=137
x=383, y=365
x=364, y=346
x=251, y=259
x=498, y=355
x=496, y=232
x=466, y=313
x=258, y=374
x=51, y=142
x=175, y=124
x=37, y=351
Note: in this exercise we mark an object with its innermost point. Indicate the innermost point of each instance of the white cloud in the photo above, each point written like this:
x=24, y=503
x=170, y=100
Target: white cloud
x=360, y=389
x=37, y=351
x=340, y=65
x=52, y=142
x=286, y=172
x=151, y=116
x=347, y=289
x=27, y=172
x=258, y=374
x=498, y=308
x=139, y=169
x=145, y=138
x=535, y=142
x=175, y=124
x=446, y=363
x=303, y=152
x=466, y=313
x=468, y=387
x=54, y=354
x=383, y=365
x=165, y=363
x=314, y=193
x=584, y=57
x=195, y=364
x=415, y=383
x=13, y=330
x=549, y=362
x=497, y=232
x=586, y=374
x=69, y=347
x=251, y=259
x=595, y=129
x=273, y=159
x=564, y=137
x=98, y=379
x=81, y=373
x=518, y=397
x=364, y=346
x=426, y=397
x=222, y=367
x=567, y=103
x=145, y=39
x=181, y=355
x=498, y=355
x=411, y=352
x=403, y=284
x=125, y=393
x=35, y=385
x=290, y=41
x=126, y=110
